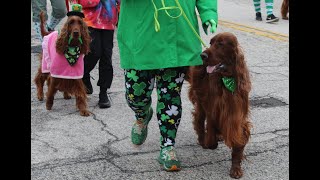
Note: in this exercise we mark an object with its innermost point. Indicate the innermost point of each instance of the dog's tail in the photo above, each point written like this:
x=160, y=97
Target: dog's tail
x=43, y=29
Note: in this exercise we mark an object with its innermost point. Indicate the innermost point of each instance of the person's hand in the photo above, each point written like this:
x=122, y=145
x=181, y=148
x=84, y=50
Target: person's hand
x=213, y=25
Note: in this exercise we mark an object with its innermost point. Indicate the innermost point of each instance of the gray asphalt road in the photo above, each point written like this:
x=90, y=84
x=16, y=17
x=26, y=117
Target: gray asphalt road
x=65, y=145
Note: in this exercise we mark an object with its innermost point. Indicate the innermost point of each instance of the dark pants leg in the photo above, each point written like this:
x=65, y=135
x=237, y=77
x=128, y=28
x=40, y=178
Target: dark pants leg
x=101, y=49
x=105, y=63
x=91, y=59
x=37, y=7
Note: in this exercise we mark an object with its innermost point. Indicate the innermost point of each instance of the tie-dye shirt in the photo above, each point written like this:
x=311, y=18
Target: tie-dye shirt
x=99, y=14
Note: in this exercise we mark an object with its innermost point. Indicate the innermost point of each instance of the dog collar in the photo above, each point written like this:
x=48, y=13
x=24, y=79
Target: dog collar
x=229, y=83
x=72, y=54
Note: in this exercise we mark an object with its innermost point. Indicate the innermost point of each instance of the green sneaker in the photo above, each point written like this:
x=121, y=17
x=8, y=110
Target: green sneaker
x=168, y=159
x=139, y=130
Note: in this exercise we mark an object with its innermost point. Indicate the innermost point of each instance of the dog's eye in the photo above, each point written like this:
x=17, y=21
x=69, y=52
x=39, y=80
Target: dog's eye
x=212, y=41
x=220, y=43
x=71, y=22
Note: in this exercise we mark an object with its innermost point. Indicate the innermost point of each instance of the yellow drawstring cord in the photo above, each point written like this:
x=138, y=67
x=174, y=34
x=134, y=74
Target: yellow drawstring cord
x=157, y=24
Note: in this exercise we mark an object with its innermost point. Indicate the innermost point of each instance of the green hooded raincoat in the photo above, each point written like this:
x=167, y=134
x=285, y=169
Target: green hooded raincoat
x=175, y=45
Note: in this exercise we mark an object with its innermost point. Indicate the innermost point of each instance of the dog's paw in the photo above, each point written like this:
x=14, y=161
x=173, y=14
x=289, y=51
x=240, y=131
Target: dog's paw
x=49, y=106
x=202, y=145
x=210, y=143
x=211, y=146
x=85, y=113
x=201, y=141
x=40, y=98
x=236, y=172
x=219, y=137
x=66, y=95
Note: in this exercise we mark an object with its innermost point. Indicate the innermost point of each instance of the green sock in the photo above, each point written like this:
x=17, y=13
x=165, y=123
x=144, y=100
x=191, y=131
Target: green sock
x=269, y=6
x=256, y=4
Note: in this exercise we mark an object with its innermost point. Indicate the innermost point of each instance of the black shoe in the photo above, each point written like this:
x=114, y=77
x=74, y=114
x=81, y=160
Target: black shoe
x=258, y=16
x=104, y=100
x=49, y=29
x=87, y=84
x=272, y=18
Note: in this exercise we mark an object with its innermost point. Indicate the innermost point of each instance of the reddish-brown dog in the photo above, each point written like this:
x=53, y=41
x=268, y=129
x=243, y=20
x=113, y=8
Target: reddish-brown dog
x=75, y=27
x=285, y=9
x=220, y=112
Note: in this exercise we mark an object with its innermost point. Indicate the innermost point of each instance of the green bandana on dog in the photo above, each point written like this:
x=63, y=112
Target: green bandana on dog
x=229, y=83
x=72, y=54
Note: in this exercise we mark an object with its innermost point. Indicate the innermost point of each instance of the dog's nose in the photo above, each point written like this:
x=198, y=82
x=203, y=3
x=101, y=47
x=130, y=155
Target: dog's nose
x=204, y=56
x=76, y=33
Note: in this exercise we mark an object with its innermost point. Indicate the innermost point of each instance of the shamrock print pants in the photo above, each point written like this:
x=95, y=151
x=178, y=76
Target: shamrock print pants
x=139, y=87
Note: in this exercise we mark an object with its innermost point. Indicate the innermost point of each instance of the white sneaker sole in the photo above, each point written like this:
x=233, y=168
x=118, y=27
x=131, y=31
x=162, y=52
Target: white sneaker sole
x=272, y=20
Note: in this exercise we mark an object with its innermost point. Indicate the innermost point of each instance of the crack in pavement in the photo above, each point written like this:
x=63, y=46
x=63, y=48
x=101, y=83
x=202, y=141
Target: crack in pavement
x=253, y=72
x=65, y=162
x=105, y=126
x=267, y=102
x=273, y=132
x=246, y=155
x=267, y=150
x=111, y=156
x=45, y=143
x=273, y=73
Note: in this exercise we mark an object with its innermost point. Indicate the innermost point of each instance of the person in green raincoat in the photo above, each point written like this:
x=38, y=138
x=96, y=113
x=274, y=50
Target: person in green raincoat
x=157, y=40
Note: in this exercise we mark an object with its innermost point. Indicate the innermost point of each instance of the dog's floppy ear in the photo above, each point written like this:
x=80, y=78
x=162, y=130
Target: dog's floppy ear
x=62, y=41
x=86, y=39
x=243, y=77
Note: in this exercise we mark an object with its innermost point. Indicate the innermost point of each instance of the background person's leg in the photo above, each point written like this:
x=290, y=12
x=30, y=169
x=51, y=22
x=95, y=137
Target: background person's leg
x=257, y=8
x=270, y=16
x=105, y=67
x=91, y=59
x=59, y=11
x=37, y=7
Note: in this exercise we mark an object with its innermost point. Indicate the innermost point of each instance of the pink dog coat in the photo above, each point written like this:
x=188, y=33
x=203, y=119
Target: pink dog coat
x=56, y=64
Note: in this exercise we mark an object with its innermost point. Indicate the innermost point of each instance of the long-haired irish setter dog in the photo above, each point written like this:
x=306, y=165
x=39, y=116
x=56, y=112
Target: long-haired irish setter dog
x=74, y=33
x=219, y=91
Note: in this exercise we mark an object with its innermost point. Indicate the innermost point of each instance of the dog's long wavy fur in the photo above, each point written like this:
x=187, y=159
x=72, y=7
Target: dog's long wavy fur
x=68, y=86
x=219, y=113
